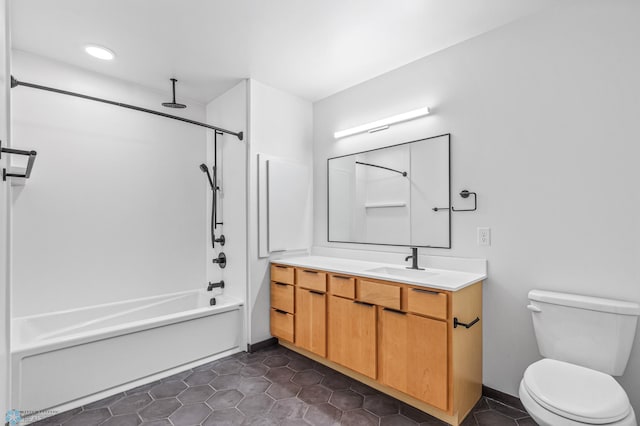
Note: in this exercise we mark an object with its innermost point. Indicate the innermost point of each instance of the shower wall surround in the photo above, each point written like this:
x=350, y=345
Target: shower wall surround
x=116, y=208
x=543, y=115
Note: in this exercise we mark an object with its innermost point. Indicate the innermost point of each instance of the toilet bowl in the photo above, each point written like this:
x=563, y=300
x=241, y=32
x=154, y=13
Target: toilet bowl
x=584, y=341
x=556, y=393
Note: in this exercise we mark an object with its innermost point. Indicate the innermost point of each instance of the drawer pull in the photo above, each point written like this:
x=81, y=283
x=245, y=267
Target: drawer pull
x=422, y=290
x=456, y=323
x=395, y=311
x=363, y=303
x=281, y=267
x=280, y=311
x=309, y=272
x=282, y=284
x=340, y=277
x=316, y=292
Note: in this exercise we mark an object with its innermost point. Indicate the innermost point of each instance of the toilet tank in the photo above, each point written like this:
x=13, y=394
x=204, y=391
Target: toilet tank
x=589, y=331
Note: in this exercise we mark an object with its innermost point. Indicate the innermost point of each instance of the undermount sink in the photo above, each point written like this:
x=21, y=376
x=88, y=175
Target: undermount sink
x=402, y=272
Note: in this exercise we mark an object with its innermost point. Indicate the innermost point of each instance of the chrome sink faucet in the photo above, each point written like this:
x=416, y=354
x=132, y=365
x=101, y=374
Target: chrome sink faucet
x=414, y=257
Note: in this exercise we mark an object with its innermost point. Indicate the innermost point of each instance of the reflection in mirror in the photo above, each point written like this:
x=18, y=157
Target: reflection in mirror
x=387, y=195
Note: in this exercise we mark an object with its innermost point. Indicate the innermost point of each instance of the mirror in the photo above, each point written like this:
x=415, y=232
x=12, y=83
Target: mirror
x=387, y=195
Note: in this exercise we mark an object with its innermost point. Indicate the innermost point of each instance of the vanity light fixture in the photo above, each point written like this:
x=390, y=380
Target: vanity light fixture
x=383, y=124
x=100, y=52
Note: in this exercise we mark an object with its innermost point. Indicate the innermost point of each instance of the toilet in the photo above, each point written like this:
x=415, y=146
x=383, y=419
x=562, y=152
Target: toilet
x=584, y=341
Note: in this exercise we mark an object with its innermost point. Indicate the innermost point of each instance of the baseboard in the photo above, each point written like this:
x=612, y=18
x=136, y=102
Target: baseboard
x=505, y=398
x=252, y=347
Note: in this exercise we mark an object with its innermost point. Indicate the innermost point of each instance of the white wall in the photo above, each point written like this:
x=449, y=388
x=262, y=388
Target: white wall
x=115, y=207
x=229, y=111
x=280, y=125
x=5, y=306
x=544, y=121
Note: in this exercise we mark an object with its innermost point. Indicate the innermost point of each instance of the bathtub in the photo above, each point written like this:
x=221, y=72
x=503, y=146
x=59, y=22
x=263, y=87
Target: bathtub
x=61, y=357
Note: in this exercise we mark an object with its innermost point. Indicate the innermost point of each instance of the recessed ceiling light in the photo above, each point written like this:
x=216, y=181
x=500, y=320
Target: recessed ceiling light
x=100, y=52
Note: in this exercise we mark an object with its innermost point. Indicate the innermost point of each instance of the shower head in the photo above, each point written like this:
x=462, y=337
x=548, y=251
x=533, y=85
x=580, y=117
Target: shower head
x=205, y=169
x=173, y=104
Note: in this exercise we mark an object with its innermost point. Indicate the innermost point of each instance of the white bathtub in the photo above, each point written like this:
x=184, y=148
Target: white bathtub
x=61, y=357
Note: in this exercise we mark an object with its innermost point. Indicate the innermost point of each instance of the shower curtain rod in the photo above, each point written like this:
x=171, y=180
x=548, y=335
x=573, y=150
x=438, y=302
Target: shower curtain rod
x=15, y=83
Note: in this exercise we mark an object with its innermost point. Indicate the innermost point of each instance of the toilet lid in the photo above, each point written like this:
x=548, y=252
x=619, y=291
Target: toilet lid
x=575, y=392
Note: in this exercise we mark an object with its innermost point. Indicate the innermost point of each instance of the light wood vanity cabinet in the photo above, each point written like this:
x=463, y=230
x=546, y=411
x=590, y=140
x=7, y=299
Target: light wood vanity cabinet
x=395, y=337
x=311, y=321
x=352, y=336
x=413, y=356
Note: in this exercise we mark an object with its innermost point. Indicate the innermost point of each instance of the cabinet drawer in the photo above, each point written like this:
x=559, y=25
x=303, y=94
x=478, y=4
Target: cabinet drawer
x=282, y=296
x=313, y=280
x=340, y=285
x=282, y=325
x=379, y=294
x=427, y=302
x=282, y=274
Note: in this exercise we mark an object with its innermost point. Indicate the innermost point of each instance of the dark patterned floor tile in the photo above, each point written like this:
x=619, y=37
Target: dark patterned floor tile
x=290, y=408
x=160, y=409
x=256, y=405
x=124, y=420
x=229, y=381
x=279, y=374
x=315, y=394
x=346, y=400
x=131, y=404
x=227, y=417
x=254, y=370
x=336, y=381
x=189, y=415
x=200, y=377
x=300, y=364
x=143, y=388
x=527, y=421
x=178, y=376
x=283, y=390
x=225, y=399
x=506, y=410
x=167, y=389
x=251, y=385
x=276, y=361
x=417, y=415
x=105, y=402
x=359, y=417
x=229, y=366
x=493, y=418
x=381, y=405
x=89, y=418
x=161, y=422
x=363, y=389
x=397, y=420
x=307, y=378
x=195, y=394
x=60, y=418
x=323, y=415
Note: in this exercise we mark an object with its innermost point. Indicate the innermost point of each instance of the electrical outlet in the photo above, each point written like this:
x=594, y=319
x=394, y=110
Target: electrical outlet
x=484, y=236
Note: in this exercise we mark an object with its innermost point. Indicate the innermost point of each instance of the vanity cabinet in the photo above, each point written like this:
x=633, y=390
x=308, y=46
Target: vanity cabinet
x=310, y=320
x=352, y=339
x=413, y=356
x=396, y=337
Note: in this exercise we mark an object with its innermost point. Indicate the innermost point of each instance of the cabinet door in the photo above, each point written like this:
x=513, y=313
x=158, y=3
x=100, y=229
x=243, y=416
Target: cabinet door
x=310, y=323
x=352, y=335
x=413, y=356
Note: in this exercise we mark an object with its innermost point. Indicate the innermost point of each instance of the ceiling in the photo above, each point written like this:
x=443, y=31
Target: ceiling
x=308, y=48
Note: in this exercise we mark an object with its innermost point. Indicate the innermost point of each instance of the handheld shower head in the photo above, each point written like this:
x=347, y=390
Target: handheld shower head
x=205, y=169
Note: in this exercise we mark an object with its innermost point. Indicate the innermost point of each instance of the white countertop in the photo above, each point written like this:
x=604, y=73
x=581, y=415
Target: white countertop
x=442, y=279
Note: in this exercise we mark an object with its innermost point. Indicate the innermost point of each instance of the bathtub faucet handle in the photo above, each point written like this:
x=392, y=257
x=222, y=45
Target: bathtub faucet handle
x=215, y=285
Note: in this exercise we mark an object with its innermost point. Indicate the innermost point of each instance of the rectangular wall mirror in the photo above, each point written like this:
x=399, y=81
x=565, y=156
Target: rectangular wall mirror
x=387, y=195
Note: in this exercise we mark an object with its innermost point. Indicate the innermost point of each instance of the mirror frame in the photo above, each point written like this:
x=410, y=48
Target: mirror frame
x=448, y=135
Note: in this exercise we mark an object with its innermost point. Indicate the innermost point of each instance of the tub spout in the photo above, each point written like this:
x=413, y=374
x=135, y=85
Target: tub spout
x=215, y=285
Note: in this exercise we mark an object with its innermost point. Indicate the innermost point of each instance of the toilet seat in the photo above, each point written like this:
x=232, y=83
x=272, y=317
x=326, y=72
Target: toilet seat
x=576, y=393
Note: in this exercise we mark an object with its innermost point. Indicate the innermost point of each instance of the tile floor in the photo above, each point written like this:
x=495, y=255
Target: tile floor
x=273, y=386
